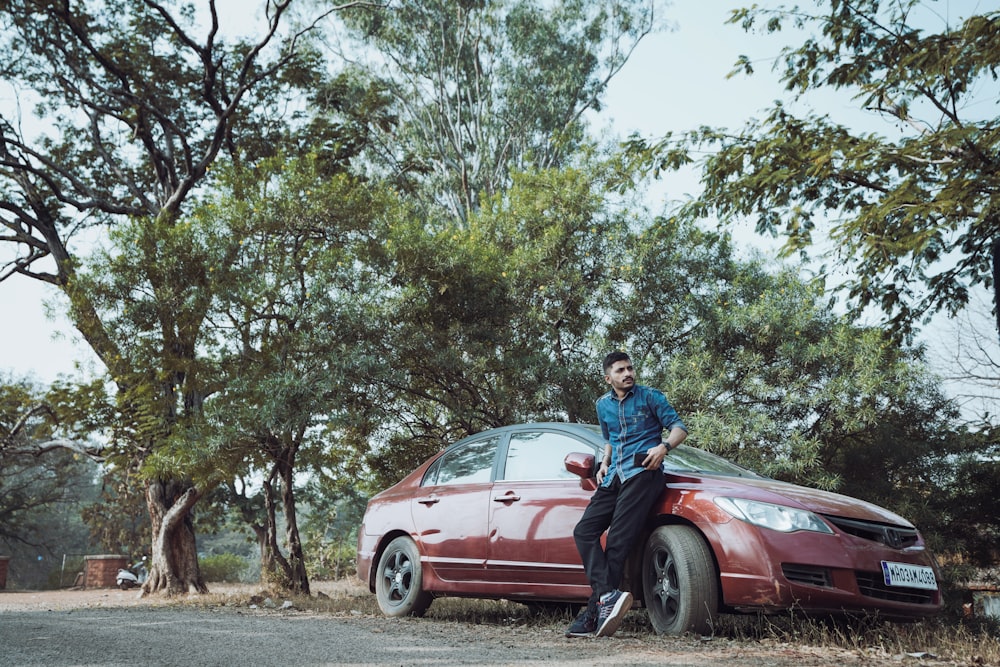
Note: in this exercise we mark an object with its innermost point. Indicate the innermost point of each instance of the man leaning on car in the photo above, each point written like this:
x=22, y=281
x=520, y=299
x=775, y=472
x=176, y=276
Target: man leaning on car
x=633, y=419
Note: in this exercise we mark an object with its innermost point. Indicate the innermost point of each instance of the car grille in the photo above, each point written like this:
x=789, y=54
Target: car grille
x=809, y=575
x=872, y=584
x=897, y=537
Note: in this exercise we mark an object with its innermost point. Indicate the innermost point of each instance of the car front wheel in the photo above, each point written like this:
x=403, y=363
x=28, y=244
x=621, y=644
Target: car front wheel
x=680, y=589
x=399, y=580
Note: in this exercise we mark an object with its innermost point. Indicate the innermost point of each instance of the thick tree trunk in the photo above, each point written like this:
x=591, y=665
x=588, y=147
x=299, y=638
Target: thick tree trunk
x=174, y=568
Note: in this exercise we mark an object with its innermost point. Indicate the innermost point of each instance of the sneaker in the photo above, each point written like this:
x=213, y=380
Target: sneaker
x=585, y=623
x=610, y=611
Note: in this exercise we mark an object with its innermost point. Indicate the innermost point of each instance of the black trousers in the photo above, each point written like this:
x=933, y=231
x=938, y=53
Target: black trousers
x=621, y=509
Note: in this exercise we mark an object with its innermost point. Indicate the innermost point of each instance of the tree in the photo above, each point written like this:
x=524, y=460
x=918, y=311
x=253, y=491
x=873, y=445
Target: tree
x=288, y=298
x=119, y=520
x=493, y=321
x=131, y=121
x=45, y=481
x=453, y=113
x=965, y=505
x=766, y=373
x=969, y=357
x=487, y=89
x=909, y=206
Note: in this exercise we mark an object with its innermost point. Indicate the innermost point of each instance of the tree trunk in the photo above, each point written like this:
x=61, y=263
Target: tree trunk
x=174, y=567
x=298, y=579
x=996, y=282
x=274, y=568
x=287, y=572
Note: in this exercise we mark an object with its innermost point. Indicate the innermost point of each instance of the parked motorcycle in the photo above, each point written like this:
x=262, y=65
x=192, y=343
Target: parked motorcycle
x=133, y=576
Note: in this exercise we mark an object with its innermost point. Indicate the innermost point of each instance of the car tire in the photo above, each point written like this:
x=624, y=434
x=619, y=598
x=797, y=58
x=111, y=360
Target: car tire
x=679, y=585
x=399, y=580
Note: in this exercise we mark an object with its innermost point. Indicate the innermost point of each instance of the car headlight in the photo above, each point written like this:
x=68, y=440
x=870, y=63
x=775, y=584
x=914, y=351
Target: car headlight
x=776, y=517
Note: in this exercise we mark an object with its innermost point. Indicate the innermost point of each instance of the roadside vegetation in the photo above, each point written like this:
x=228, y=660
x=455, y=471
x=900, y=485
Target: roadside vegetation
x=304, y=271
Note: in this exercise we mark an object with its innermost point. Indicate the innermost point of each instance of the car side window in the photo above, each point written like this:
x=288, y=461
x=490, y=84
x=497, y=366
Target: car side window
x=471, y=463
x=535, y=455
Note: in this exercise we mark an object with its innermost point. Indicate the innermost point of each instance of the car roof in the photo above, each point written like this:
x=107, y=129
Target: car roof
x=587, y=431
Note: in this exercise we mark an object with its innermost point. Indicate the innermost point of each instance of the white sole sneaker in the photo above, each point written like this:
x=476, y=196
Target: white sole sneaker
x=611, y=623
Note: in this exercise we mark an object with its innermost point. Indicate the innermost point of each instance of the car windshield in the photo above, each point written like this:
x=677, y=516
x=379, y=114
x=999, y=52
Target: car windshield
x=691, y=459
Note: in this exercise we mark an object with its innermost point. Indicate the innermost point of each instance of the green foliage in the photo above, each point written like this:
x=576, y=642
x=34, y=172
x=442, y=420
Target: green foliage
x=291, y=295
x=771, y=376
x=487, y=89
x=907, y=205
x=288, y=295
x=119, y=520
x=489, y=323
x=44, y=484
x=766, y=373
x=223, y=568
x=963, y=507
x=307, y=321
x=335, y=510
x=332, y=559
x=132, y=120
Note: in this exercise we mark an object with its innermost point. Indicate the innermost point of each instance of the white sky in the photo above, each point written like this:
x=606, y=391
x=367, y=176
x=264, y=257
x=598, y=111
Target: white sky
x=675, y=81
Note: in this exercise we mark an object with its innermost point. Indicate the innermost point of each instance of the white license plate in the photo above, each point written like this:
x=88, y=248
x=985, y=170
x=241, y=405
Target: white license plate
x=908, y=576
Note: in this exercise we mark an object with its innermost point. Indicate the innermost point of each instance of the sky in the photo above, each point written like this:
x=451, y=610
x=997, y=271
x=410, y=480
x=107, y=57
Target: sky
x=675, y=80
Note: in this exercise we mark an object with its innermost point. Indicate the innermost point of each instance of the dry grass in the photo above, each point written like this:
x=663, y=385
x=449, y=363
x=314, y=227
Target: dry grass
x=938, y=639
x=962, y=643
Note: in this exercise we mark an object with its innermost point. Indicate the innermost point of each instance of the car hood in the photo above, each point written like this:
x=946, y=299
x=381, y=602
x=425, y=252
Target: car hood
x=815, y=500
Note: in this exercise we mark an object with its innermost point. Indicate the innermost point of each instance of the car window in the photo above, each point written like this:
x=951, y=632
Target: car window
x=690, y=459
x=471, y=463
x=541, y=455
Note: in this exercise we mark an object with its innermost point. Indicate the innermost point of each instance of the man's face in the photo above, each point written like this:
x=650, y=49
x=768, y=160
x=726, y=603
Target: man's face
x=621, y=376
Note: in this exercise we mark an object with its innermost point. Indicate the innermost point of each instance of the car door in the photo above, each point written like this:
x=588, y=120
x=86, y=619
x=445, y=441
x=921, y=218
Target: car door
x=534, y=507
x=451, y=510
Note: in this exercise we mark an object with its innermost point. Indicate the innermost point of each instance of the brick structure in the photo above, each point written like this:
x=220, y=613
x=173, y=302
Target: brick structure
x=101, y=571
x=4, y=561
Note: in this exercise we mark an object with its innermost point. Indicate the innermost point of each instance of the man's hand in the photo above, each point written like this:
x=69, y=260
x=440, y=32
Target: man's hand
x=654, y=457
x=602, y=471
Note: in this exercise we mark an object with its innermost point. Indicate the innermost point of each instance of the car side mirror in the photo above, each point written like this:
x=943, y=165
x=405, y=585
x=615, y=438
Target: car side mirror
x=581, y=465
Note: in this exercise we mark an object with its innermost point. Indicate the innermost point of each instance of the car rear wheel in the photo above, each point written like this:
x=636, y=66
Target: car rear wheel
x=399, y=580
x=680, y=589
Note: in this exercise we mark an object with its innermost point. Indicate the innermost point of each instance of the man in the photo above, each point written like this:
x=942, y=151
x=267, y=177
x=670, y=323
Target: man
x=630, y=479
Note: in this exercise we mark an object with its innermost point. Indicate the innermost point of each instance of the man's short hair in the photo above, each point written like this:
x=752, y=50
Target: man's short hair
x=612, y=358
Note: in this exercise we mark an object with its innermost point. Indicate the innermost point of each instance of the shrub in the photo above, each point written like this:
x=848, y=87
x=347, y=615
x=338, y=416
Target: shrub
x=223, y=567
x=333, y=560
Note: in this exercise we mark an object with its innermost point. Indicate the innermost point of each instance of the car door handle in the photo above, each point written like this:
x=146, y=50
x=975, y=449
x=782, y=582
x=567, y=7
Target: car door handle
x=429, y=501
x=509, y=497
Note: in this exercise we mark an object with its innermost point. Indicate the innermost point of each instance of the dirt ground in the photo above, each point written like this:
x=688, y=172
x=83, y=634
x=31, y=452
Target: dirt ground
x=448, y=640
x=100, y=598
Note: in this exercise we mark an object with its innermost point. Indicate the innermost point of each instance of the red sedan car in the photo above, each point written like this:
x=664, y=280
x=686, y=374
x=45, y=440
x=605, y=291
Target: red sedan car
x=492, y=516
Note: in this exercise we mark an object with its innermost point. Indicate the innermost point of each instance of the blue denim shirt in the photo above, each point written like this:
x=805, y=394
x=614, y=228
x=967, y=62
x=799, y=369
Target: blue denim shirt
x=634, y=424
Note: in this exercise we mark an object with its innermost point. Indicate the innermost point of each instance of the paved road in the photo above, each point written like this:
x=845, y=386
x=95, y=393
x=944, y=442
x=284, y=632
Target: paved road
x=175, y=636
x=227, y=636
